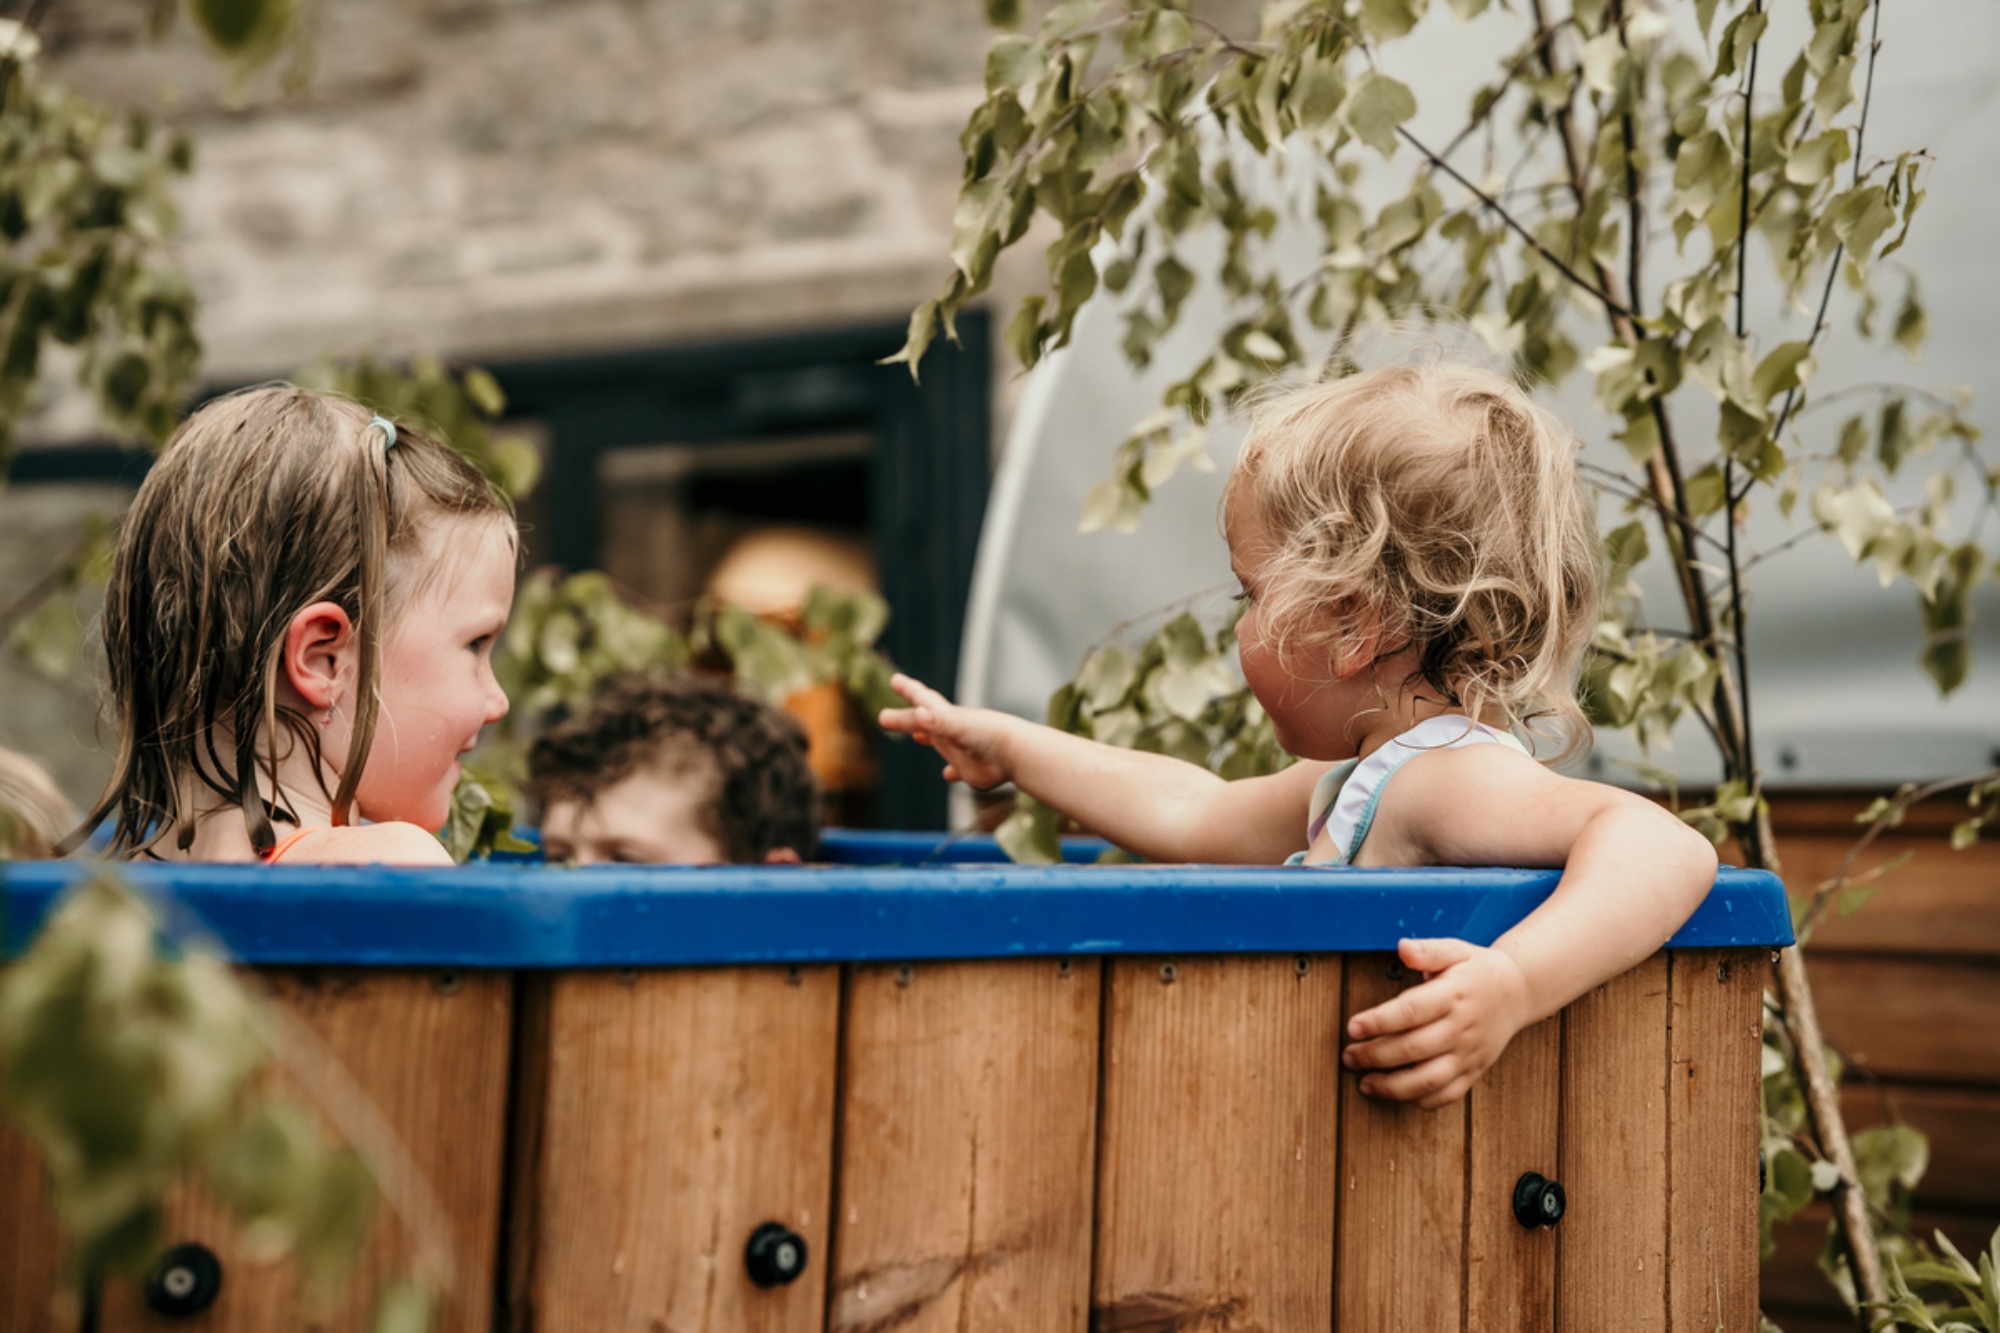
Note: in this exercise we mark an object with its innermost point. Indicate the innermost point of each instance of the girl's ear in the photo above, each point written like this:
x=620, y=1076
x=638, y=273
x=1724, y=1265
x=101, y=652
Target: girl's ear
x=1373, y=641
x=320, y=645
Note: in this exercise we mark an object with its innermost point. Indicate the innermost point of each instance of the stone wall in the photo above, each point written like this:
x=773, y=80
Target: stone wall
x=513, y=178
x=499, y=177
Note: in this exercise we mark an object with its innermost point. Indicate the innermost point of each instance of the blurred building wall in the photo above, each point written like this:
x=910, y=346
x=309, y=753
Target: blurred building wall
x=501, y=179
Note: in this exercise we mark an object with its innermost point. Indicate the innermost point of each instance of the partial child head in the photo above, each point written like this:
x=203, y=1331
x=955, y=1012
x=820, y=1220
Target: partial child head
x=680, y=770
x=34, y=814
x=1432, y=510
x=301, y=587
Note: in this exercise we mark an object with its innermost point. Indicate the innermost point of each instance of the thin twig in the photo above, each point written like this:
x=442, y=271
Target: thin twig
x=12, y=64
x=1514, y=224
x=1899, y=806
x=1747, y=769
x=1840, y=250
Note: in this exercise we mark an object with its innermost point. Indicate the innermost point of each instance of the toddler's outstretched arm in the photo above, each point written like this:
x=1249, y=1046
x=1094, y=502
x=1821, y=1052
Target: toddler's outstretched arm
x=1152, y=805
x=1632, y=873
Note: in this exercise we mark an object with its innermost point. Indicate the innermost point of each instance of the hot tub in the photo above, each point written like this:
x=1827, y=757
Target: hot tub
x=953, y=1093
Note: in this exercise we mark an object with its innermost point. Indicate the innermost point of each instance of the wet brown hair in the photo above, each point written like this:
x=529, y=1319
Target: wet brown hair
x=263, y=503
x=754, y=756
x=1437, y=502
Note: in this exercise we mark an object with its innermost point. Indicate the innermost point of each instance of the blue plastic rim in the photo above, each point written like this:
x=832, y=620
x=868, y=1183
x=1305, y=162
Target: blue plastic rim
x=944, y=899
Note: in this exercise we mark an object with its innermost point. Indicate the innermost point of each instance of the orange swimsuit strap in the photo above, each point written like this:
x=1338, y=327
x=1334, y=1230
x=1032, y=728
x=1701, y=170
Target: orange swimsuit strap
x=285, y=844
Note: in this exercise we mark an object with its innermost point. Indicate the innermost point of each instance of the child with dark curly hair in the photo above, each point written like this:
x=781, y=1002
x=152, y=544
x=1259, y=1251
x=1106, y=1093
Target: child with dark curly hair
x=675, y=770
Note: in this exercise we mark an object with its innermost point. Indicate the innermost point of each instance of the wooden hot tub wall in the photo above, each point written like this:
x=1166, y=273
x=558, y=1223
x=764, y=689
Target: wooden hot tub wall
x=979, y=1097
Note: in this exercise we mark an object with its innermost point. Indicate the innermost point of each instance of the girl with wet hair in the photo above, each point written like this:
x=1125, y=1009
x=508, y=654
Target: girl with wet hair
x=300, y=624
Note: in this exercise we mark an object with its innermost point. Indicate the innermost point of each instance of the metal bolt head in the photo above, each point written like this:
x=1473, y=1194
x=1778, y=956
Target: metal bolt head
x=775, y=1255
x=1539, y=1201
x=185, y=1281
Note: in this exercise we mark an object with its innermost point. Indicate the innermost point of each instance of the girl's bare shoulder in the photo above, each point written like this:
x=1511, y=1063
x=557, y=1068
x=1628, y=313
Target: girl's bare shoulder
x=393, y=843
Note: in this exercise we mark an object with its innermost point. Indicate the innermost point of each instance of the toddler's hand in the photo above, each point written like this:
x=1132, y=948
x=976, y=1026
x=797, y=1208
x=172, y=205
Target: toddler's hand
x=968, y=738
x=1436, y=1039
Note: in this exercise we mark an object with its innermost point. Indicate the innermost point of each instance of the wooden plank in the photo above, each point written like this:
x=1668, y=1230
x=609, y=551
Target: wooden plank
x=1611, y=1254
x=528, y=1104
x=1713, y=1111
x=1510, y=1271
x=1792, y=1280
x=969, y=1127
x=1216, y=1158
x=1961, y=1125
x=1401, y=1253
x=1939, y=902
x=33, y=1294
x=1917, y=1018
x=429, y=1052
x=685, y=1108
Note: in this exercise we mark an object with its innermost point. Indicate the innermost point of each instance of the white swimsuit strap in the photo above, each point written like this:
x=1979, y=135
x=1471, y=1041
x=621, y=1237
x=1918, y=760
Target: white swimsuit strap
x=1353, y=808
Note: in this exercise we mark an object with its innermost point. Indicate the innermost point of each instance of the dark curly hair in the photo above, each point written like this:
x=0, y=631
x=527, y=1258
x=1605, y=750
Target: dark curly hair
x=766, y=796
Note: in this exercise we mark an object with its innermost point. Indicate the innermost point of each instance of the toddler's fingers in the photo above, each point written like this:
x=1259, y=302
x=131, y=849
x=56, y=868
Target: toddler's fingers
x=1428, y=956
x=918, y=693
x=1406, y=1048
x=1448, y=1094
x=1417, y=1083
x=1412, y=1009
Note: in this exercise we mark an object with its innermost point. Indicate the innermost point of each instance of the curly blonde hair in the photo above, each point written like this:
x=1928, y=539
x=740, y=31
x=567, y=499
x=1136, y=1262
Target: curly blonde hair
x=263, y=503
x=1440, y=504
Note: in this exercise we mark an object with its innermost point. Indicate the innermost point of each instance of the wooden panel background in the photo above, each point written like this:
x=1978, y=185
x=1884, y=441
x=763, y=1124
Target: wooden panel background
x=1510, y=1272
x=1910, y=984
x=968, y=1147
x=1717, y=1010
x=683, y=1109
x=1216, y=1162
x=1611, y=1263
x=1127, y=1146
x=429, y=1051
x=32, y=1298
x=1401, y=1252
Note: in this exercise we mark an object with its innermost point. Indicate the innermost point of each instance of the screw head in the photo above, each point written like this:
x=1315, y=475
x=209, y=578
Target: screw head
x=775, y=1255
x=184, y=1282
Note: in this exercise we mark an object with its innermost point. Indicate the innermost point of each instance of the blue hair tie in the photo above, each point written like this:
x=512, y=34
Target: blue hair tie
x=388, y=431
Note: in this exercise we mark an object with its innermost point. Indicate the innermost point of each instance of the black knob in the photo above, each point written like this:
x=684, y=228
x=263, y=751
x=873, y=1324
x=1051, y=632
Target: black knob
x=775, y=1255
x=1538, y=1202
x=185, y=1281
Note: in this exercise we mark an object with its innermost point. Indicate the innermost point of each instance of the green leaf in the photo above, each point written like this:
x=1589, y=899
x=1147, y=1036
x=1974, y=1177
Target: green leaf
x=1467, y=10
x=1788, y=366
x=1704, y=15
x=1913, y=323
x=1024, y=331
x=1030, y=835
x=1003, y=13
x=1385, y=20
x=1742, y=33
x=1376, y=105
x=242, y=28
x=923, y=328
x=1816, y=159
x=1013, y=62
x=484, y=392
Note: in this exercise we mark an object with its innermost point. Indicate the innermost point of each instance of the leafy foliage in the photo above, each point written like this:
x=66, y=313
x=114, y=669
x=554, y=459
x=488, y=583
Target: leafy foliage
x=86, y=213
x=128, y=1067
x=460, y=407
x=1641, y=175
x=569, y=634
